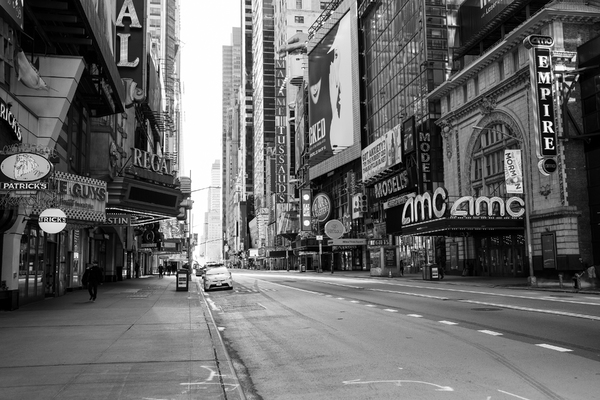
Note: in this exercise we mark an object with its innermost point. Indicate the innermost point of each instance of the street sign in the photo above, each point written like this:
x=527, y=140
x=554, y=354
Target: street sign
x=319, y=237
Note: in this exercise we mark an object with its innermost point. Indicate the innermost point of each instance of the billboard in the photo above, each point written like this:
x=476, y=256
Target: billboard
x=382, y=154
x=331, y=102
x=474, y=15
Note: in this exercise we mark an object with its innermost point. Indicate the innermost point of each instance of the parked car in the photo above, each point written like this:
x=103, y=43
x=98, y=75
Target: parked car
x=217, y=278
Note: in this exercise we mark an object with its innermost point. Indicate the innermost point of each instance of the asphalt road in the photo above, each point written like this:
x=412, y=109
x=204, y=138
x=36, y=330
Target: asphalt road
x=319, y=336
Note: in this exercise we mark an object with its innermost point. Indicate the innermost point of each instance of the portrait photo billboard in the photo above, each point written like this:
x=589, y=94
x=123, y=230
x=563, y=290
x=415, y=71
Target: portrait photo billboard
x=331, y=92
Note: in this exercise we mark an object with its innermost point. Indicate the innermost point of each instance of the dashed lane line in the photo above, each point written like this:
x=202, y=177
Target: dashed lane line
x=552, y=347
x=488, y=332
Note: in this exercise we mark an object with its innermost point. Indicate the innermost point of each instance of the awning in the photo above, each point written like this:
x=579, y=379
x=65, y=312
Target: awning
x=461, y=227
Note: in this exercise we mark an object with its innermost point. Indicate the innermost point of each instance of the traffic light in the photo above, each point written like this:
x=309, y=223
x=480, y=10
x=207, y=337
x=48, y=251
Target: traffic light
x=305, y=210
x=184, y=206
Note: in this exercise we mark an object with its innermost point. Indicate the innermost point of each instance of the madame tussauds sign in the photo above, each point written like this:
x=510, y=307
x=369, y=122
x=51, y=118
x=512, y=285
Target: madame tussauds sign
x=427, y=206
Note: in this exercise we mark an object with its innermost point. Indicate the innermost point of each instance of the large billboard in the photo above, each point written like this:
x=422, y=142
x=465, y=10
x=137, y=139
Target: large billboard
x=474, y=15
x=382, y=154
x=331, y=102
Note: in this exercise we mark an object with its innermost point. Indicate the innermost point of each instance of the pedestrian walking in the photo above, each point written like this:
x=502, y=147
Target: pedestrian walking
x=92, y=277
x=401, y=267
x=160, y=271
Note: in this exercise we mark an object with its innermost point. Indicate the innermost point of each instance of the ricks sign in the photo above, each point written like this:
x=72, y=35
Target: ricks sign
x=429, y=206
x=542, y=78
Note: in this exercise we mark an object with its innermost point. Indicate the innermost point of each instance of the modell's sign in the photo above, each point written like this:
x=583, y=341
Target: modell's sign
x=542, y=78
x=427, y=206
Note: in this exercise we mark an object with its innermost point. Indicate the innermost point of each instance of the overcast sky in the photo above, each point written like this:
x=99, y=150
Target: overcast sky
x=205, y=28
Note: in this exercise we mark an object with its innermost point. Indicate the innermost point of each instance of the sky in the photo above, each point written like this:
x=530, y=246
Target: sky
x=205, y=28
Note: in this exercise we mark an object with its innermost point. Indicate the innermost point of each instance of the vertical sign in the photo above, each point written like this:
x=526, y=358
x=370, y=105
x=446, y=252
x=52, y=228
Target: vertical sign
x=281, y=167
x=305, y=210
x=541, y=78
x=131, y=34
x=424, y=151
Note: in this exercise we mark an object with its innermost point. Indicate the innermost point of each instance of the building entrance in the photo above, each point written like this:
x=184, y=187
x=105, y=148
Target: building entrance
x=500, y=255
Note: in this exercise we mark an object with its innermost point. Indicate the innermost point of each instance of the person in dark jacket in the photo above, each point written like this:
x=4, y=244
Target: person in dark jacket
x=92, y=277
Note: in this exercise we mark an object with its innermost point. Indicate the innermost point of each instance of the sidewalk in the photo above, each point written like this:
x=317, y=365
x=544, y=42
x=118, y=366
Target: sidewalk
x=141, y=339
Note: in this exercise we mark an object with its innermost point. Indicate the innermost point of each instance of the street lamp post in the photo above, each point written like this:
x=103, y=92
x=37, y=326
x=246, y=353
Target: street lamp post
x=526, y=189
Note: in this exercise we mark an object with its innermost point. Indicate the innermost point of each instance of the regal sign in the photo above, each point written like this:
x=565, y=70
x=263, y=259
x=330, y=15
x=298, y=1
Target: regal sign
x=152, y=162
x=131, y=35
x=429, y=206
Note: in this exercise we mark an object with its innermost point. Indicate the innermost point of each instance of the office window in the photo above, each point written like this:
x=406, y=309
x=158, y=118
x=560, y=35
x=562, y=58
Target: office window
x=299, y=4
x=476, y=85
x=324, y=5
x=299, y=19
x=515, y=60
x=501, y=69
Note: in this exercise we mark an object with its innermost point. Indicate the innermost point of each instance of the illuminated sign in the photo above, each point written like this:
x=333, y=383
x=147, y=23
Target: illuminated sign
x=151, y=162
x=132, y=49
x=432, y=206
x=305, y=210
x=281, y=165
x=321, y=207
x=26, y=167
x=542, y=79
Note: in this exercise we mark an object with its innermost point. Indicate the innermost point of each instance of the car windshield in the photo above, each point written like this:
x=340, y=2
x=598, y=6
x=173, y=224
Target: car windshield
x=217, y=270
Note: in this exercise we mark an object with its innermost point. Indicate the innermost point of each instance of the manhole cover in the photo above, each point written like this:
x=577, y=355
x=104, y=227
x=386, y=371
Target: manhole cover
x=486, y=309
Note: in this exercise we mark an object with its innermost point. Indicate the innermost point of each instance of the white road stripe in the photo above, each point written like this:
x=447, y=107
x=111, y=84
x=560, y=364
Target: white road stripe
x=409, y=294
x=539, y=310
x=354, y=301
x=415, y=315
x=490, y=332
x=370, y=305
x=551, y=347
x=390, y=310
x=448, y=322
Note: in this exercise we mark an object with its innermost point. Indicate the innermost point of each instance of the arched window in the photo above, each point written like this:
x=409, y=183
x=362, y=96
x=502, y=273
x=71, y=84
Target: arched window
x=487, y=166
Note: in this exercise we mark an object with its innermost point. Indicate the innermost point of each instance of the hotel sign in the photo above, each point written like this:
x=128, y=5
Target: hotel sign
x=131, y=57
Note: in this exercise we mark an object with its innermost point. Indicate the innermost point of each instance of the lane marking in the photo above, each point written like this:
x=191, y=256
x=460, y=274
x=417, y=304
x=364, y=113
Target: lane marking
x=487, y=332
x=448, y=322
x=370, y=305
x=513, y=395
x=538, y=310
x=390, y=310
x=552, y=347
x=410, y=294
x=399, y=382
x=354, y=301
x=415, y=315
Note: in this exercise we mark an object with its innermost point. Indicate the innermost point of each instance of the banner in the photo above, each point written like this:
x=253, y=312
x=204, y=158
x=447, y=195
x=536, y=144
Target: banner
x=513, y=171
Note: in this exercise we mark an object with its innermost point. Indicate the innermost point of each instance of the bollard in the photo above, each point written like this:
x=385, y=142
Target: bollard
x=390, y=274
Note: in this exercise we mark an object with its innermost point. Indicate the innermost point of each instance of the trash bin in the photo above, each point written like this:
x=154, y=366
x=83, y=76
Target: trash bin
x=426, y=272
x=183, y=280
x=431, y=272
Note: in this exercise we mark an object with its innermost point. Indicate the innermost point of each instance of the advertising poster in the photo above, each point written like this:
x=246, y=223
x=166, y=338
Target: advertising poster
x=330, y=93
x=513, y=171
x=382, y=154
